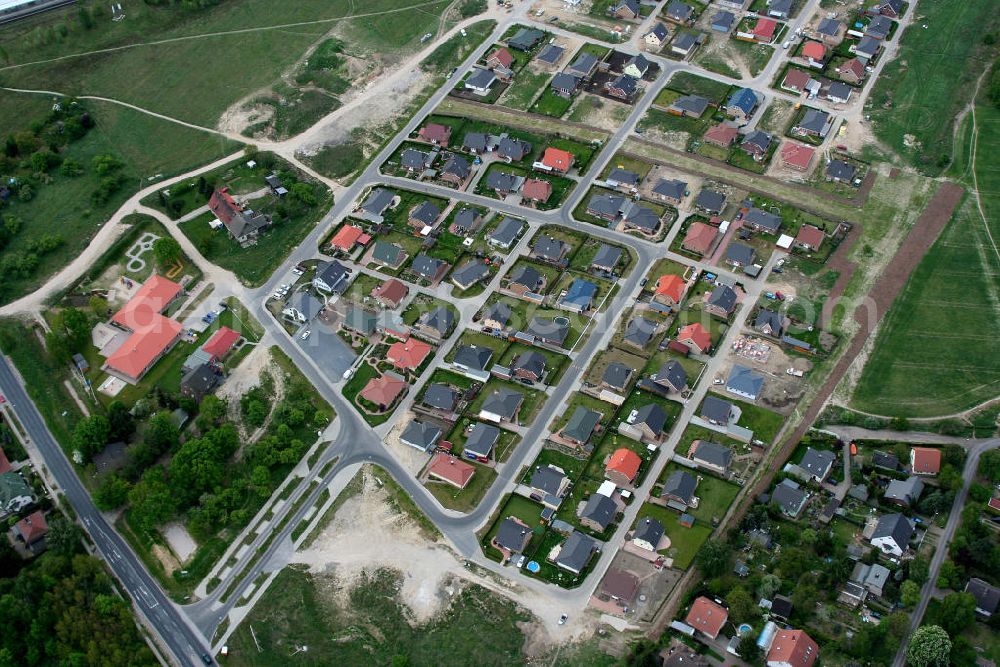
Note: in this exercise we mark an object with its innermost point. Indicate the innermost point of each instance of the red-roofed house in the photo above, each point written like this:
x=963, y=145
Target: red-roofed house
x=384, y=390
x=707, y=617
x=31, y=530
x=5, y=465
x=500, y=58
x=557, y=160
x=696, y=337
x=722, y=135
x=925, y=461
x=535, y=189
x=797, y=156
x=347, y=237
x=852, y=71
x=153, y=335
x=792, y=648
x=408, y=355
x=451, y=470
x=764, y=30
x=809, y=237
x=622, y=467
x=436, y=134
x=699, y=238
x=242, y=224
x=221, y=342
x=795, y=80
x=390, y=293
x=815, y=53
x=994, y=505
x=669, y=290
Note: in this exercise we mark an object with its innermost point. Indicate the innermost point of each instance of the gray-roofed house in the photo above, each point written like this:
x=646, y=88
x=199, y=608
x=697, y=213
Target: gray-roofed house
x=722, y=300
x=987, y=597
x=672, y=376
x=15, y=493
x=647, y=534
x=840, y=171
x=892, y=534
x=552, y=330
x=814, y=122
x=622, y=87
x=637, y=66
x=872, y=577
x=670, y=190
x=529, y=365
x=413, y=160
x=867, y=48
x=639, y=331
x=565, y=84
x=657, y=35
x=904, y=492
x=650, y=419
x=711, y=201
x=683, y=43
x=456, y=170
x=769, y=323
x=480, y=81
x=550, y=249
x=817, y=463
x=388, y=254
x=466, y=220
x=512, y=536
x=641, y=218
x=473, y=357
x=550, y=54
x=525, y=278
x=197, y=382
x=421, y=435
x=480, y=442
x=506, y=233
x=549, y=482
x=470, y=273
x=886, y=460
x=424, y=214
x=779, y=9
x=441, y=397
x=744, y=382
x=789, y=498
x=302, y=307
x=739, y=254
x=829, y=30
x=583, y=65
x=879, y=27
x=436, y=324
x=716, y=410
x=576, y=552
x=512, y=150
x=711, y=455
x=581, y=425
x=525, y=39
x=689, y=105
x=762, y=221
x=501, y=406
x=616, y=376
x=625, y=9
x=722, y=21
x=678, y=12
x=361, y=320
x=839, y=93
x=756, y=144
x=476, y=142
x=429, y=268
x=606, y=258
x=605, y=206
x=377, y=203
x=598, y=513
x=331, y=277
x=618, y=178
x=502, y=182
x=679, y=489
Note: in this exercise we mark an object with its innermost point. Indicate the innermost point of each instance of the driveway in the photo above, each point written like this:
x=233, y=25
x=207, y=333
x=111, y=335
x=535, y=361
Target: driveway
x=326, y=348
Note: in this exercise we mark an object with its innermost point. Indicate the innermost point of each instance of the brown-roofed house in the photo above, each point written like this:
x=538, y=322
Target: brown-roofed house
x=925, y=460
x=449, y=469
x=809, y=237
x=852, y=71
x=707, y=617
x=384, y=390
x=722, y=135
x=436, y=133
x=795, y=80
x=535, y=189
x=31, y=530
x=500, y=58
x=699, y=238
x=797, y=156
x=620, y=585
x=792, y=648
x=390, y=293
x=5, y=465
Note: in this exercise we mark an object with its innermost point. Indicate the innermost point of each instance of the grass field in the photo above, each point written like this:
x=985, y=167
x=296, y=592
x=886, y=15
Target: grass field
x=942, y=327
x=921, y=90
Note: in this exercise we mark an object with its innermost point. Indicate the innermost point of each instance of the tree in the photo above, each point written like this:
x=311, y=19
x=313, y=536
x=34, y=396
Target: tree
x=989, y=462
x=105, y=164
x=64, y=537
x=949, y=575
x=195, y=469
x=153, y=502
x=769, y=586
x=919, y=569
x=713, y=558
x=909, y=593
x=167, y=251
x=748, y=649
x=99, y=305
x=929, y=647
x=162, y=433
x=121, y=424
x=90, y=435
x=957, y=612
x=300, y=193
x=112, y=493
x=742, y=608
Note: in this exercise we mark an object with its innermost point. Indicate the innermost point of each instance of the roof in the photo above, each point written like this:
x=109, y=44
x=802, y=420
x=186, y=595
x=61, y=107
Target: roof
x=525, y=38
x=565, y=81
x=436, y=132
x=532, y=362
x=743, y=99
x=481, y=439
x=199, y=379
x=475, y=141
x=854, y=66
x=659, y=31
x=639, y=62
x=699, y=237
x=440, y=319
x=620, y=584
x=346, y=237
x=606, y=205
x=987, y=596
x=583, y=64
x=5, y=465
x=797, y=155
x=426, y=212
x=879, y=27
x=711, y=200
x=692, y=104
x=383, y=390
x=507, y=230
x=814, y=120
x=839, y=91
x=624, y=83
x=780, y=6
x=925, y=460
x=697, y=334
x=765, y=28
x=829, y=27
x=716, y=409
x=580, y=294
x=221, y=342
x=600, y=509
x=576, y=551
x=738, y=252
x=680, y=484
x=606, y=255
x=684, y=41
x=770, y=320
x=868, y=46
x=896, y=526
x=623, y=176
x=713, y=453
x=549, y=247
x=549, y=328
x=789, y=497
x=504, y=402
x=757, y=139
x=649, y=530
x=378, y=200
x=550, y=54
x=499, y=312
x=616, y=375
x=556, y=158
x=781, y=606
x=809, y=235
x=144, y=308
x=422, y=434
x=515, y=149
x=457, y=166
x=440, y=396
x=480, y=78
x=906, y=491
x=639, y=331
x=814, y=50
x=426, y=266
x=527, y=276
x=581, y=424
x=796, y=79
x=472, y=356
x=471, y=272
x=672, y=188
x=885, y=460
x=624, y=461
x=502, y=56
x=414, y=159
x=841, y=170
x=144, y=347
x=502, y=181
x=817, y=462
x=744, y=381
x=548, y=479
x=793, y=647
x=32, y=527
x=387, y=253
x=673, y=373
x=723, y=296
x=409, y=354
x=706, y=616
x=678, y=10
x=631, y=5
x=512, y=534
x=451, y=469
x=536, y=190
x=390, y=290
x=641, y=217
x=360, y=319
x=331, y=272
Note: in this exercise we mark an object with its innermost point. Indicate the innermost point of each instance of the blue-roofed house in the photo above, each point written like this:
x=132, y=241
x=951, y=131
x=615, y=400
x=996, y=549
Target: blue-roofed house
x=742, y=104
x=579, y=297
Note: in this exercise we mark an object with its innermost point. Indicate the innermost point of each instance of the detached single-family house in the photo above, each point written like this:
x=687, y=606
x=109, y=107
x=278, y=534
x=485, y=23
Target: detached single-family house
x=797, y=156
x=421, y=435
x=471, y=273
x=707, y=617
x=839, y=171
x=740, y=255
x=408, y=355
x=742, y=104
x=466, y=221
x=581, y=425
x=891, y=8
x=696, y=337
x=550, y=249
x=722, y=21
x=756, y=144
x=440, y=397
x=760, y=220
x=243, y=224
x=678, y=12
x=878, y=27
x=892, y=534
x=481, y=81
x=598, y=513
x=795, y=80
x=867, y=48
x=583, y=66
x=302, y=307
x=616, y=376
x=699, y=238
x=721, y=301
x=669, y=290
x=456, y=170
x=789, y=498
x=550, y=54
x=480, y=441
x=622, y=178
x=636, y=66
x=817, y=464
x=414, y=161
x=839, y=93
x=711, y=455
x=623, y=87
x=500, y=57
x=31, y=531
x=435, y=133
x=525, y=39
x=565, y=84
x=722, y=135
x=671, y=190
x=744, y=382
x=548, y=485
x=657, y=36
x=495, y=317
x=716, y=410
x=529, y=365
x=672, y=376
x=424, y=214
x=15, y=494
x=684, y=43
x=388, y=254
x=925, y=461
x=502, y=182
x=987, y=597
x=505, y=233
x=650, y=420
x=429, y=268
x=815, y=54
x=512, y=536
x=501, y=406
x=435, y=324
x=904, y=493
x=763, y=31
x=551, y=330
x=831, y=31
x=679, y=490
x=536, y=190
x=556, y=161
x=625, y=9
x=474, y=358
x=331, y=277
x=792, y=648
x=647, y=534
x=809, y=238
x=692, y=106
x=711, y=201
x=384, y=390
x=641, y=219
x=606, y=258
x=852, y=71
x=580, y=296
x=576, y=552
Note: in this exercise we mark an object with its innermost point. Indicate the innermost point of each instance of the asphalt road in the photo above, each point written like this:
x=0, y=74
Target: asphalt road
x=184, y=642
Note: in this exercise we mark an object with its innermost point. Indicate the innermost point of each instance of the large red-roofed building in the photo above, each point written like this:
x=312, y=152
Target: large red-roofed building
x=221, y=342
x=925, y=460
x=153, y=335
x=792, y=648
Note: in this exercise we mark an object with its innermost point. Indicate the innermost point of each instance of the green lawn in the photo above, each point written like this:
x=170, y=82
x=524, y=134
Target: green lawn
x=470, y=337
x=463, y=500
x=550, y=104
x=684, y=542
x=692, y=433
x=764, y=423
x=756, y=56
x=714, y=495
x=692, y=84
x=522, y=92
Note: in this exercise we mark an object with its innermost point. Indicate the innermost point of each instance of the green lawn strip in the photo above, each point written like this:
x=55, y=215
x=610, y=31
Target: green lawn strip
x=520, y=95
x=715, y=495
x=684, y=542
x=764, y=423
x=629, y=163
x=472, y=337
x=756, y=56
x=692, y=84
x=504, y=118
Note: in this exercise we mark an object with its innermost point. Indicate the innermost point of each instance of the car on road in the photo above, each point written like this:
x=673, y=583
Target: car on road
x=642, y=283
x=206, y=658
x=348, y=373
x=562, y=619
x=305, y=334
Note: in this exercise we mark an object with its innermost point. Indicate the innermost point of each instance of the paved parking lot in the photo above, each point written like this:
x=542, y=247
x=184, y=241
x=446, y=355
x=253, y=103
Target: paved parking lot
x=326, y=348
